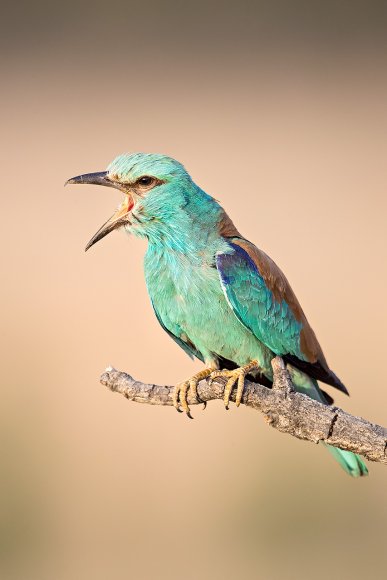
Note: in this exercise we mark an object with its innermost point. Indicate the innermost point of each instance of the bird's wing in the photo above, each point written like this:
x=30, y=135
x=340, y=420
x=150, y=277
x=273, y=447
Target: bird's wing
x=263, y=300
x=179, y=337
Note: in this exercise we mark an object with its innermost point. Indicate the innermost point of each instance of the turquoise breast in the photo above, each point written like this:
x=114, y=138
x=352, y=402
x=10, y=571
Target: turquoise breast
x=190, y=302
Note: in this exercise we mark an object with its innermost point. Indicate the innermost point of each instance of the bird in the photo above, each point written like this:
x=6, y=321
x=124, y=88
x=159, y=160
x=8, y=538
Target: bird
x=222, y=299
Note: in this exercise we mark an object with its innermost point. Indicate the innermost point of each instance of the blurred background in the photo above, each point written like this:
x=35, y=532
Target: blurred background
x=277, y=109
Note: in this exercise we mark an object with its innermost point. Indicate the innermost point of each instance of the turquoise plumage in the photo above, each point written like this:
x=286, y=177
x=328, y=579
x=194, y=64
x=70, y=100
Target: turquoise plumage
x=216, y=294
x=254, y=303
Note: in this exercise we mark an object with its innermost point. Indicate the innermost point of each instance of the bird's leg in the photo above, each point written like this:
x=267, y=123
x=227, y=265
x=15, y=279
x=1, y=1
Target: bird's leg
x=234, y=376
x=181, y=390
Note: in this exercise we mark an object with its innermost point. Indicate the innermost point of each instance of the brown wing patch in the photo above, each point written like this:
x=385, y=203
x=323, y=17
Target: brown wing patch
x=226, y=226
x=279, y=285
x=310, y=346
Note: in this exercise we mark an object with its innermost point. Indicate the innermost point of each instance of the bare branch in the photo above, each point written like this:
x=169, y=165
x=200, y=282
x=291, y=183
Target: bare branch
x=283, y=408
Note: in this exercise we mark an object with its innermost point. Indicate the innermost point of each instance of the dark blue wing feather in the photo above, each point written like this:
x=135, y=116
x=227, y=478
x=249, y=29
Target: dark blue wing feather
x=271, y=321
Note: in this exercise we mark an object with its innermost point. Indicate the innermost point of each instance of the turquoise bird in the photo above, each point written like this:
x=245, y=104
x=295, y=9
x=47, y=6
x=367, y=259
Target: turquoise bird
x=216, y=294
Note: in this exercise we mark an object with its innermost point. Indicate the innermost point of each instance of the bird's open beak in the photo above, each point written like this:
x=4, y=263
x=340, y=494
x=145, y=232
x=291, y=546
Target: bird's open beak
x=118, y=218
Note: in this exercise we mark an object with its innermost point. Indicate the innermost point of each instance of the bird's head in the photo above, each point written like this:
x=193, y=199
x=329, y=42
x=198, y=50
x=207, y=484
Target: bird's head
x=153, y=186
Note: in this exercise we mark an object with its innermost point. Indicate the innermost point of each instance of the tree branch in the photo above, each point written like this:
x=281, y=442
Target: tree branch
x=283, y=408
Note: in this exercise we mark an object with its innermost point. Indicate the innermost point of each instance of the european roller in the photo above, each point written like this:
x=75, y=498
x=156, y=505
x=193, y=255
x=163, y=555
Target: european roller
x=222, y=299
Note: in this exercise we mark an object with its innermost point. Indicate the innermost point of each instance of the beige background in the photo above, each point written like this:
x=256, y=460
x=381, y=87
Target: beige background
x=279, y=111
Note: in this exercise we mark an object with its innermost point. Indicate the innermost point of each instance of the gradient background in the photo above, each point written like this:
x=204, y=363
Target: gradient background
x=278, y=109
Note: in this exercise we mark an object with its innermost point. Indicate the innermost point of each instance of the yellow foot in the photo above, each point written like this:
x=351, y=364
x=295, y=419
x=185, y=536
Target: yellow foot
x=181, y=391
x=234, y=376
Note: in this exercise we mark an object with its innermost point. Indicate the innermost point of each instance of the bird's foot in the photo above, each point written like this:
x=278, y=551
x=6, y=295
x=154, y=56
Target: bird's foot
x=234, y=376
x=181, y=391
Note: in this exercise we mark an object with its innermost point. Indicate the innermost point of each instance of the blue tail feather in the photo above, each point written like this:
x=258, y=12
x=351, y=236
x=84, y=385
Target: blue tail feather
x=350, y=462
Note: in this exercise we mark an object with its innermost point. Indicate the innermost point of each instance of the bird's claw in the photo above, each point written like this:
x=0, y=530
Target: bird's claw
x=181, y=392
x=236, y=376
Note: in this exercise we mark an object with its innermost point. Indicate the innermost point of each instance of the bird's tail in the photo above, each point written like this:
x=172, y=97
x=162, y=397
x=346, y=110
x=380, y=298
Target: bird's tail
x=350, y=462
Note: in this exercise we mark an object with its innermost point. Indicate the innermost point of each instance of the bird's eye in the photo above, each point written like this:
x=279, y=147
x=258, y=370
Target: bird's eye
x=145, y=180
